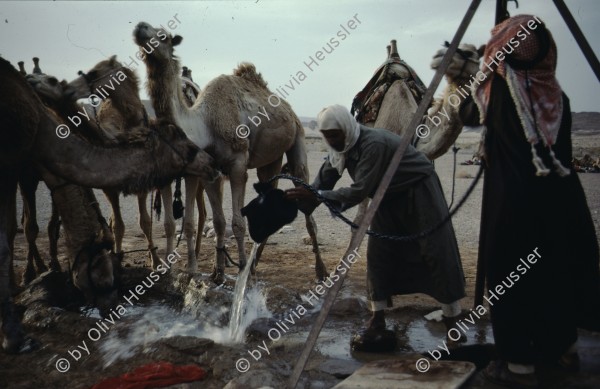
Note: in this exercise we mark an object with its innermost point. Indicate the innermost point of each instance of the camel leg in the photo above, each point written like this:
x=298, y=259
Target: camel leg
x=264, y=173
x=214, y=191
x=191, y=190
x=53, y=235
x=116, y=220
x=201, y=216
x=11, y=325
x=28, y=188
x=238, y=178
x=298, y=166
x=146, y=226
x=169, y=221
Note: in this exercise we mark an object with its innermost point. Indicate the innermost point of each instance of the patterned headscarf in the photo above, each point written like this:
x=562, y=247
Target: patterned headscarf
x=533, y=87
x=337, y=117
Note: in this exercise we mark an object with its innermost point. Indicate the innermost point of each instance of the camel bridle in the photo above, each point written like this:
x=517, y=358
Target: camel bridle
x=465, y=56
x=86, y=76
x=90, y=84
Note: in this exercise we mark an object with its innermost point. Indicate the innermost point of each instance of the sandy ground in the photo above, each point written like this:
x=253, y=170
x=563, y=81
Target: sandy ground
x=286, y=271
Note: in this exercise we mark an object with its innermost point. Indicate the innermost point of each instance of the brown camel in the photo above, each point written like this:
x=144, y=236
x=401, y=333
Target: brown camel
x=392, y=96
x=22, y=68
x=28, y=134
x=28, y=182
x=119, y=115
x=121, y=118
x=36, y=66
x=216, y=123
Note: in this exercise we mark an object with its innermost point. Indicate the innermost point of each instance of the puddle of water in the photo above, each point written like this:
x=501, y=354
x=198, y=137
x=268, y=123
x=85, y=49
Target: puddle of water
x=333, y=342
x=423, y=335
x=143, y=325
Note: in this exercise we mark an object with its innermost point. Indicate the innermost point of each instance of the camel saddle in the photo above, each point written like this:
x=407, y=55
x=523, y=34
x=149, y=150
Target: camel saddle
x=366, y=103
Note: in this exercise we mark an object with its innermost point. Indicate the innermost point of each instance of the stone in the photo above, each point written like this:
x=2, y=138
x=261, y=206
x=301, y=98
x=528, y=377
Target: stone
x=339, y=368
x=259, y=329
x=404, y=374
x=308, y=241
x=280, y=298
x=348, y=306
x=189, y=344
x=256, y=379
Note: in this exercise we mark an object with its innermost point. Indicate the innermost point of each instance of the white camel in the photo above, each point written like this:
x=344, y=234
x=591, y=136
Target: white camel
x=225, y=104
x=392, y=96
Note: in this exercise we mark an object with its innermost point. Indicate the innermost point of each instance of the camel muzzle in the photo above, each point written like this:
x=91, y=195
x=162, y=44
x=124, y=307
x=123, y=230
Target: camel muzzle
x=142, y=32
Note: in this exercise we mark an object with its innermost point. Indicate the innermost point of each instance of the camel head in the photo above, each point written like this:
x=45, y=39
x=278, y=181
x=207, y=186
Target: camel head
x=155, y=43
x=48, y=88
x=96, y=272
x=464, y=63
x=108, y=72
x=175, y=143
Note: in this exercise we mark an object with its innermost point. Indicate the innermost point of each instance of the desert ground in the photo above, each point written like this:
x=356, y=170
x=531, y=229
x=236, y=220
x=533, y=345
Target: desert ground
x=183, y=318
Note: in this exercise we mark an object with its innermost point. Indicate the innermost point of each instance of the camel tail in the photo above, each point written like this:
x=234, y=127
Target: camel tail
x=248, y=71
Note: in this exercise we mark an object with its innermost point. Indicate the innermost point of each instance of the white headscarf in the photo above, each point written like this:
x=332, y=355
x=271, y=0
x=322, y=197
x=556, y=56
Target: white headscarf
x=337, y=117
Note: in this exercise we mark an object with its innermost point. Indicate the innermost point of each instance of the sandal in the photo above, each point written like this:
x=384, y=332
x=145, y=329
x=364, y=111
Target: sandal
x=498, y=373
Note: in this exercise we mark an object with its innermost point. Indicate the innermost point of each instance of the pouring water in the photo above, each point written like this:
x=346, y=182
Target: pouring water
x=236, y=332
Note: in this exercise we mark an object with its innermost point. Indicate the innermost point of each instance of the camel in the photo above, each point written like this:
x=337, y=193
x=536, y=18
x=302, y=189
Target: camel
x=190, y=89
x=118, y=116
x=392, y=96
x=225, y=105
x=36, y=66
x=28, y=183
x=22, y=68
x=28, y=134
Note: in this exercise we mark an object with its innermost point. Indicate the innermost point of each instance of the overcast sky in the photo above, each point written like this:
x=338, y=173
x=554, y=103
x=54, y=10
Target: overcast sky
x=279, y=36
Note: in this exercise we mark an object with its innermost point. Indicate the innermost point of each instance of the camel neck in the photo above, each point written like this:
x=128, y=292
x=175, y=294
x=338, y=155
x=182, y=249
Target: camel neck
x=80, y=117
x=164, y=89
x=126, y=101
x=132, y=169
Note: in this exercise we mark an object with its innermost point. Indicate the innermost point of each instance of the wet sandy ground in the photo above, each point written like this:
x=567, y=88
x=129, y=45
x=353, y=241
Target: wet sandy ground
x=286, y=271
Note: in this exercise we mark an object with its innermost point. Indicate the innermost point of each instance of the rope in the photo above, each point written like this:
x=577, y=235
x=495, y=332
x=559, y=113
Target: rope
x=223, y=249
x=151, y=208
x=177, y=203
x=181, y=231
x=405, y=238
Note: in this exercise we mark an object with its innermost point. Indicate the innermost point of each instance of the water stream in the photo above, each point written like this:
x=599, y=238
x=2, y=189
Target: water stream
x=236, y=330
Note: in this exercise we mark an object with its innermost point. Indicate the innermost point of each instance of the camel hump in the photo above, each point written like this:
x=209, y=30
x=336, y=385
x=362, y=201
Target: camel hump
x=248, y=71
